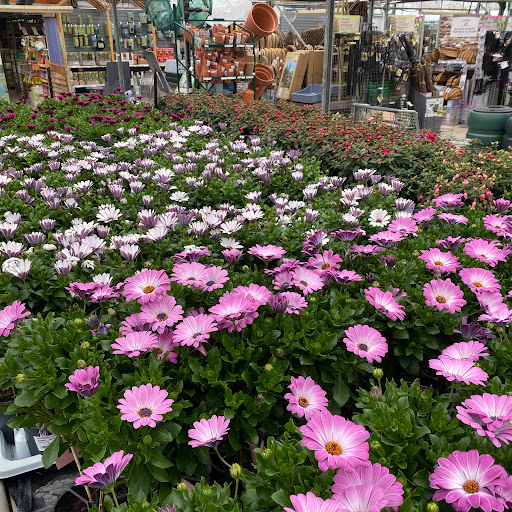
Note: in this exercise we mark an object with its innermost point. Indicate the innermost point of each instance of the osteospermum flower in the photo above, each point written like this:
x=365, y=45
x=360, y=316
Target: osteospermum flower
x=267, y=252
x=325, y=261
x=403, y=225
x=425, y=215
x=260, y=294
x=214, y=278
x=146, y=286
x=104, y=474
x=379, y=218
x=448, y=201
x=161, y=313
x=490, y=415
x=144, y=405
x=337, y=442
x=444, y=295
x=461, y=370
x=306, y=397
x=385, y=302
x=208, y=432
x=496, y=224
x=235, y=310
x=311, y=503
x=479, y=279
x=471, y=350
x=505, y=492
x=307, y=280
x=10, y=316
x=486, y=252
x=366, y=342
x=361, y=498
x=501, y=315
x=451, y=218
x=295, y=302
x=84, y=381
x=194, y=330
x=468, y=480
x=344, y=277
x=189, y=274
x=376, y=475
x=135, y=343
x=435, y=259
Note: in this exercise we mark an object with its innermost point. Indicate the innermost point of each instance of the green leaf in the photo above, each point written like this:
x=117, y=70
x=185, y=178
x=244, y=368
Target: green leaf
x=26, y=399
x=340, y=392
x=282, y=498
x=139, y=479
x=51, y=453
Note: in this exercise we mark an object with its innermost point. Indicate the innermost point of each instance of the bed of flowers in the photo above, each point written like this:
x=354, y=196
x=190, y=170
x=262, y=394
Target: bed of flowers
x=221, y=326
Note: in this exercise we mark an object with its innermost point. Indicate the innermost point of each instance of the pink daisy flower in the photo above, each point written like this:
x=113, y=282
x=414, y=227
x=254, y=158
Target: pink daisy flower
x=448, y=201
x=325, y=261
x=344, y=277
x=366, y=250
x=260, y=294
x=450, y=242
x=146, y=286
x=134, y=323
x=479, y=279
x=444, y=295
x=195, y=330
x=10, y=316
x=104, y=474
x=435, y=259
x=505, y=492
x=235, y=310
x=295, y=302
x=135, y=343
x=361, y=498
x=461, y=370
x=451, y=218
x=376, y=475
x=337, y=442
x=267, y=252
x=496, y=224
x=385, y=302
x=307, y=280
x=425, y=215
x=403, y=225
x=214, y=278
x=144, y=405
x=366, y=342
x=162, y=313
x=311, y=503
x=490, y=301
x=486, y=252
x=499, y=316
x=471, y=350
x=387, y=238
x=84, y=381
x=208, y=432
x=489, y=415
x=189, y=274
x=306, y=398
x=468, y=480
x=166, y=346
x=283, y=280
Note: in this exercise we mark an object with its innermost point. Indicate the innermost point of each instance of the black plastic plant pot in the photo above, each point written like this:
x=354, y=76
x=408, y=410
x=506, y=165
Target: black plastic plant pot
x=73, y=500
x=8, y=432
x=30, y=433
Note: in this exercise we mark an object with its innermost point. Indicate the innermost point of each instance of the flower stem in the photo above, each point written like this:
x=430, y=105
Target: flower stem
x=452, y=389
x=236, y=488
x=221, y=458
x=115, y=497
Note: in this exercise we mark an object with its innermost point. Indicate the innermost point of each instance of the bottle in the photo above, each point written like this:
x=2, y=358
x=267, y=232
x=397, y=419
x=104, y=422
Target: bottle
x=21, y=444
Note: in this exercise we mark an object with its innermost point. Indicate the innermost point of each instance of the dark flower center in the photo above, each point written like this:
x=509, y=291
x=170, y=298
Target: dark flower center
x=470, y=487
x=196, y=335
x=333, y=448
x=145, y=413
x=303, y=283
x=209, y=283
x=362, y=346
x=303, y=402
x=161, y=317
x=441, y=300
x=149, y=289
x=493, y=418
x=191, y=279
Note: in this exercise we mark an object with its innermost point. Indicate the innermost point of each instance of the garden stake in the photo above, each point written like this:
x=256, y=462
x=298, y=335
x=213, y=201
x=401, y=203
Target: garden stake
x=78, y=465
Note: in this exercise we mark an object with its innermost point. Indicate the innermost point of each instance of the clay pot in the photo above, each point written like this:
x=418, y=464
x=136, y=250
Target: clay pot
x=264, y=78
x=248, y=95
x=261, y=20
x=218, y=38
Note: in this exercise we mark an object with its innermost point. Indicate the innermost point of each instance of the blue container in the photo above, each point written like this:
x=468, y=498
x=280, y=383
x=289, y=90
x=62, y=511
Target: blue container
x=312, y=94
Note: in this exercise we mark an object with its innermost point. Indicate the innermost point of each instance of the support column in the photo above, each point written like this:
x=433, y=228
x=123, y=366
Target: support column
x=328, y=42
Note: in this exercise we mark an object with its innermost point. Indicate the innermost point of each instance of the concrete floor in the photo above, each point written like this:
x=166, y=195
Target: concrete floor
x=458, y=131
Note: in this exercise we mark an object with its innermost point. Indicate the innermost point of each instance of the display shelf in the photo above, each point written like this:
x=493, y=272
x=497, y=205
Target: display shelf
x=226, y=78
x=141, y=66
x=215, y=45
x=89, y=86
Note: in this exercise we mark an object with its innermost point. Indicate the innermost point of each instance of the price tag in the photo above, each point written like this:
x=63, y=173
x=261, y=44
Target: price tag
x=504, y=64
x=42, y=442
x=399, y=72
x=380, y=98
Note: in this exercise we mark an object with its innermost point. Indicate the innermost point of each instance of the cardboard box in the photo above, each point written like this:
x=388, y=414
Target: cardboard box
x=293, y=73
x=315, y=67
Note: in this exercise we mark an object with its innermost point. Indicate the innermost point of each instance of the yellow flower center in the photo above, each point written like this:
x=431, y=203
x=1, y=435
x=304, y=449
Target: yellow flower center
x=484, y=257
x=438, y=263
x=470, y=487
x=477, y=284
x=333, y=448
x=303, y=402
x=441, y=300
x=325, y=265
x=161, y=317
x=149, y=289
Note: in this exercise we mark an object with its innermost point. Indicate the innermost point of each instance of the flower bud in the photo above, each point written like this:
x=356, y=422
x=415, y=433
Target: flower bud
x=93, y=321
x=312, y=299
x=148, y=265
x=489, y=325
x=20, y=377
x=78, y=321
x=147, y=440
x=415, y=254
x=279, y=352
x=432, y=507
x=375, y=446
x=235, y=471
x=376, y=393
x=81, y=363
x=85, y=345
x=182, y=486
x=279, y=303
x=260, y=399
x=245, y=268
x=375, y=284
x=207, y=491
x=500, y=330
x=266, y=454
x=268, y=368
x=378, y=373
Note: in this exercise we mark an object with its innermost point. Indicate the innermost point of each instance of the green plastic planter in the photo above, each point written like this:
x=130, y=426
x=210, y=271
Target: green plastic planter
x=487, y=124
x=507, y=138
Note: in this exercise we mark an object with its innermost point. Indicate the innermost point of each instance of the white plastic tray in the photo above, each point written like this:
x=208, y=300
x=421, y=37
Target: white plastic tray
x=10, y=465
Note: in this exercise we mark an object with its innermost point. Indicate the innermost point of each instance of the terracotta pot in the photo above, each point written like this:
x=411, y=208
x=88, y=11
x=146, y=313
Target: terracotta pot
x=240, y=66
x=229, y=39
x=218, y=38
x=248, y=95
x=264, y=78
x=261, y=20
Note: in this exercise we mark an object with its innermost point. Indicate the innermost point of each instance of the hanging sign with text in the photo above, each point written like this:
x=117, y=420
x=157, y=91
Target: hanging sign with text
x=347, y=24
x=464, y=26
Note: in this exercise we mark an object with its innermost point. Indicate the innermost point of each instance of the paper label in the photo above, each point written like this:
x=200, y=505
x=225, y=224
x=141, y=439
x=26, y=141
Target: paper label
x=380, y=98
x=464, y=26
x=347, y=24
x=504, y=64
x=42, y=442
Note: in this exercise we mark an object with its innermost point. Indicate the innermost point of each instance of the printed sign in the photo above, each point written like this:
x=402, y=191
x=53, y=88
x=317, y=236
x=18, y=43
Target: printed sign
x=42, y=442
x=495, y=23
x=402, y=23
x=347, y=24
x=464, y=26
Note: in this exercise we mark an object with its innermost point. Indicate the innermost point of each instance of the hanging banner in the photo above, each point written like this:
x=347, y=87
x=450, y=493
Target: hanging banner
x=402, y=23
x=495, y=23
x=464, y=26
x=347, y=24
